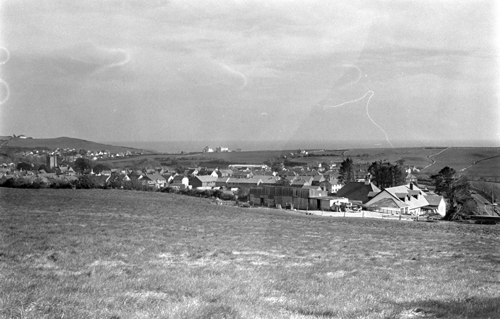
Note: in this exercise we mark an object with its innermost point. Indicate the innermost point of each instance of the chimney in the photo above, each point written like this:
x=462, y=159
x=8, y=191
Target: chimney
x=368, y=179
x=411, y=185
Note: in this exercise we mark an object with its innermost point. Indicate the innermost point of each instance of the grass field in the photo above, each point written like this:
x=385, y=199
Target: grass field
x=489, y=169
x=124, y=254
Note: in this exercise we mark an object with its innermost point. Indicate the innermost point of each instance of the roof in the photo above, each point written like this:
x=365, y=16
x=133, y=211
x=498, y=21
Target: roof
x=318, y=178
x=434, y=200
x=357, y=191
x=405, y=189
x=179, y=178
x=389, y=202
x=245, y=180
x=267, y=179
x=206, y=178
x=155, y=177
x=312, y=187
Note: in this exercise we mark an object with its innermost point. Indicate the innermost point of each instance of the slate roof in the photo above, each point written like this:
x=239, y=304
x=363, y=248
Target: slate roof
x=433, y=200
x=357, y=191
x=206, y=178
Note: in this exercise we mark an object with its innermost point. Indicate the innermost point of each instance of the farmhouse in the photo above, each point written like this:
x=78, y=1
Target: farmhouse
x=202, y=182
x=404, y=199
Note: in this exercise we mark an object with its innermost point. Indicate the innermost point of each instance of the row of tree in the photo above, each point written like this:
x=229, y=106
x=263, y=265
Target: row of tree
x=382, y=173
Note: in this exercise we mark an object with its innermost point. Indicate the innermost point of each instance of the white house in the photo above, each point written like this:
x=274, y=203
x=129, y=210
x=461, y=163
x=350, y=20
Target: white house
x=404, y=199
x=437, y=204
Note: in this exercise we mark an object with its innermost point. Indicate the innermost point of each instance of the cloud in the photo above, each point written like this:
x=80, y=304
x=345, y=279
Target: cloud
x=4, y=92
x=4, y=55
x=200, y=71
x=97, y=56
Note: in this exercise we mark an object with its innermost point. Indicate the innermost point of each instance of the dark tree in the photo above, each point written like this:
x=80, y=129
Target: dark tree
x=81, y=165
x=460, y=200
x=45, y=168
x=100, y=167
x=385, y=174
x=443, y=181
x=84, y=182
x=24, y=166
x=346, y=171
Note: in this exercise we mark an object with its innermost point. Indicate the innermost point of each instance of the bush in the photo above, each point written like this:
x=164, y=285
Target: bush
x=84, y=182
x=227, y=196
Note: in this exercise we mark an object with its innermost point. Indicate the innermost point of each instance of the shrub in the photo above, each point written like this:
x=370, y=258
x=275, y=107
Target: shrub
x=84, y=182
x=227, y=196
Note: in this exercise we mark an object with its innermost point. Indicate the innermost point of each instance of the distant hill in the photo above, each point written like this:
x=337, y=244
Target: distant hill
x=68, y=142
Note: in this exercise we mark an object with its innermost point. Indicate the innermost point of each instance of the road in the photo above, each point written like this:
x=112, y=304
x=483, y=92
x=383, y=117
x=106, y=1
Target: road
x=485, y=207
x=433, y=161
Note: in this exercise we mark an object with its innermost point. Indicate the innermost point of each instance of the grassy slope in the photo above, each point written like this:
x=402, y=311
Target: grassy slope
x=486, y=168
x=120, y=254
x=462, y=157
x=66, y=142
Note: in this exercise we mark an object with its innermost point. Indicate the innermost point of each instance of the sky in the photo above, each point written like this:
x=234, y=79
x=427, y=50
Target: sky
x=384, y=73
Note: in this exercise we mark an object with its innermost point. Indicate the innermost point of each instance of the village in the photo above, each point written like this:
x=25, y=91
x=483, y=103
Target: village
x=310, y=188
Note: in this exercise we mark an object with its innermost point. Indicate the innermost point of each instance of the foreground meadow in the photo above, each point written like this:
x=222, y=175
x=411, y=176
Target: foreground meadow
x=125, y=254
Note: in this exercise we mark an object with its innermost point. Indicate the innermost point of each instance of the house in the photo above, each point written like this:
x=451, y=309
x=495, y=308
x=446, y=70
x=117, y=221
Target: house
x=286, y=174
x=242, y=174
x=317, y=180
x=358, y=191
x=209, y=172
x=168, y=177
x=302, y=181
x=106, y=172
x=154, y=180
x=404, y=199
x=262, y=172
x=327, y=202
x=191, y=172
x=180, y=181
x=267, y=180
x=437, y=204
x=221, y=181
x=243, y=182
x=225, y=172
x=202, y=182
x=410, y=178
x=117, y=179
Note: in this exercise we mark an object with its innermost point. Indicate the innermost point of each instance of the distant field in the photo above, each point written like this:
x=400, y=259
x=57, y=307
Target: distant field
x=412, y=156
x=463, y=157
x=124, y=254
x=488, y=169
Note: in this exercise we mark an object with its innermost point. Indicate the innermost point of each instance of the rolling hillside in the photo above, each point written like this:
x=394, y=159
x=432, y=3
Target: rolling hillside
x=66, y=142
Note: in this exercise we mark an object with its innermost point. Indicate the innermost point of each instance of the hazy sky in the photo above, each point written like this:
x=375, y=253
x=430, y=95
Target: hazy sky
x=384, y=72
